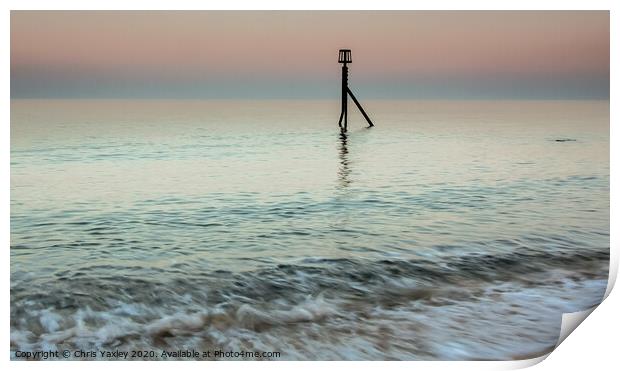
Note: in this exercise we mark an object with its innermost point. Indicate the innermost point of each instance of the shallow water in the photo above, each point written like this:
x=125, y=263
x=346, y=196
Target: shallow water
x=451, y=230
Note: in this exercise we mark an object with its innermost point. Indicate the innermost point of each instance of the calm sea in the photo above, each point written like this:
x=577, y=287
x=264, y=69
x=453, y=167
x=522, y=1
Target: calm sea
x=452, y=230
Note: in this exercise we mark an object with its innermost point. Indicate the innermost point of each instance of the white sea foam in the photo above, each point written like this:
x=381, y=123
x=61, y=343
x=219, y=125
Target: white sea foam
x=496, y=322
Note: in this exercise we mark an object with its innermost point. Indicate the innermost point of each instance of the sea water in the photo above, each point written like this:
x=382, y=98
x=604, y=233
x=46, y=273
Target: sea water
x=452, y=230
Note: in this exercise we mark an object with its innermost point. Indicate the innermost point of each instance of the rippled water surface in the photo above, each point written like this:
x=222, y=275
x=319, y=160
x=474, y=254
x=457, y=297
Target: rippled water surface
x=451, y=230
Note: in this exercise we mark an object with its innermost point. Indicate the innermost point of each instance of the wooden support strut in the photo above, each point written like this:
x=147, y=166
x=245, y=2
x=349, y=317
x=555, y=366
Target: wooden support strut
x=360, y=107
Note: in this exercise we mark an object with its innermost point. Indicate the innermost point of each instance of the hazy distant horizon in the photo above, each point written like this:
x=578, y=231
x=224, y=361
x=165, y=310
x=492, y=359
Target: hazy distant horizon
x=464, y=99
x=455, y=55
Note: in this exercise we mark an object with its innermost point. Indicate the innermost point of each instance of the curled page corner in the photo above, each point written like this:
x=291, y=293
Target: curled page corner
x=613, y=272
x=525, y=363
x=570, y=321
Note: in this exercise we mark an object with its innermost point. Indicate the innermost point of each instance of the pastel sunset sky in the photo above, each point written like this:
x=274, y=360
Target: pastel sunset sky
x=293, y=54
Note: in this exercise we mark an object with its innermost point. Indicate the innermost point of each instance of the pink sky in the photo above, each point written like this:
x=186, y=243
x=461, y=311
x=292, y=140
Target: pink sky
x=177, y=47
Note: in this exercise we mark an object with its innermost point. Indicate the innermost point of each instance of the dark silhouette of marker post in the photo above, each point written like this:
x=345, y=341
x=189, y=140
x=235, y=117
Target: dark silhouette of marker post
x=344, y=57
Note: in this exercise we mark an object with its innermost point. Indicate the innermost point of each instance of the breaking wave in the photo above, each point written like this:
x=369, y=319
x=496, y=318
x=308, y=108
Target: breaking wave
x=470, y=307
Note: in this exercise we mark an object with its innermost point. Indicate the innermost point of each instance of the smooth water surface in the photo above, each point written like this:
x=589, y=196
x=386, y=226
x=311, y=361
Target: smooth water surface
x=451, y=230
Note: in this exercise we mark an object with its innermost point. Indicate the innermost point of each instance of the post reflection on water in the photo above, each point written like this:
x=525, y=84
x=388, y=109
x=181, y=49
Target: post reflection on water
x=344, y=170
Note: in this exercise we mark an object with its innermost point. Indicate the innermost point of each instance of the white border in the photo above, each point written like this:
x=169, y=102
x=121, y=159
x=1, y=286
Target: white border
x=590, y=345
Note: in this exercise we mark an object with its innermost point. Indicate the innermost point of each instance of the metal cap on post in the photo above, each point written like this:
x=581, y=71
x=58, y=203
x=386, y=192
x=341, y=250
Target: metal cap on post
x=344, y=56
